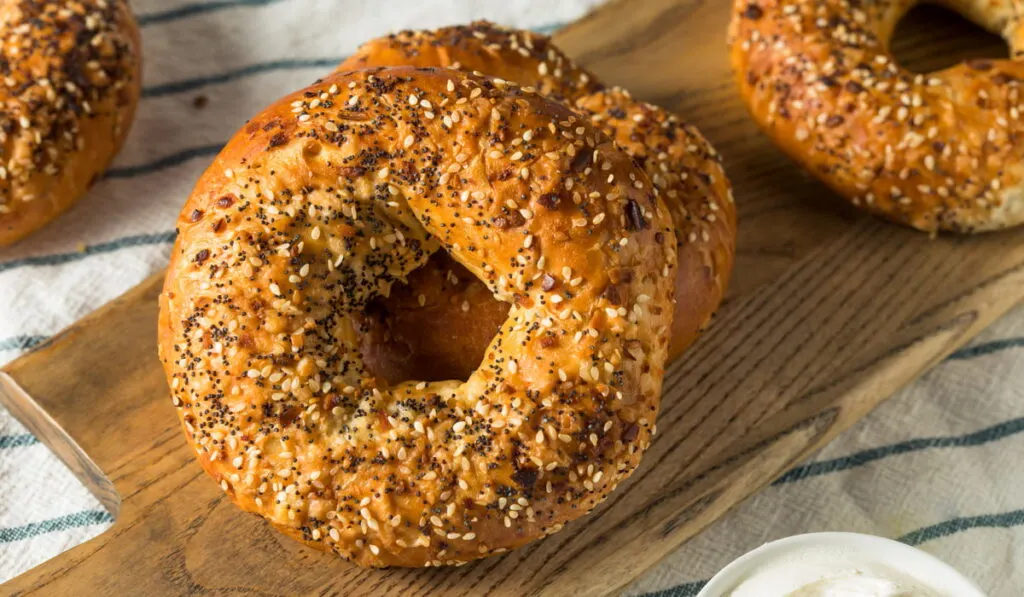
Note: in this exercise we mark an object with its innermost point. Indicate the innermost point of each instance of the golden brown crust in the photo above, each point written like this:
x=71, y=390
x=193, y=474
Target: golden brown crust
x=71, y=86
x=935, y=152
x=318, y=206
x=446, y=335
x=528, y=58
x=688, y=173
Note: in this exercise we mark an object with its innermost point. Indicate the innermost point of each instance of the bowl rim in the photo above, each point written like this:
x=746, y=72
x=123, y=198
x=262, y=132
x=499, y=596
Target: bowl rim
x=886, y=551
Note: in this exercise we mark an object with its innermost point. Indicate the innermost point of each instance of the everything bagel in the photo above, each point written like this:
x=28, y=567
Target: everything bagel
x=438, y=324
x=71, y=84
x=529, y=59
x=317, y=207
x=935, y=152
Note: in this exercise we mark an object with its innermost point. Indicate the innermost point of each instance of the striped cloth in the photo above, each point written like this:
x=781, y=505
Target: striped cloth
x=933, y=466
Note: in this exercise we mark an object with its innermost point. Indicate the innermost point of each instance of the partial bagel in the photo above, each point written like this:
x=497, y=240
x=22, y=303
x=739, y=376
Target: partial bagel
x=322, y=203
x=527, y=58
x=935, y=152
x=72, y=81
x=438, y=325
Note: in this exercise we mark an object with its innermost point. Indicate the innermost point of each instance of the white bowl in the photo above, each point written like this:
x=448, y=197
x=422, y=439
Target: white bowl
x=923, y=567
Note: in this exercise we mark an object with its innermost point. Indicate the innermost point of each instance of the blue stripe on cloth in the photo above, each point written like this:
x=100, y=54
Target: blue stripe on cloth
x=17, y=441
x=137, y=240
x=548, y=29
x=199, y=8
x=240, y=73
x=825, y=467
x=163, y=163
x=21, y=342
x=53, y=525
x=1005, y=520
x=987, y=348
x=686, y=590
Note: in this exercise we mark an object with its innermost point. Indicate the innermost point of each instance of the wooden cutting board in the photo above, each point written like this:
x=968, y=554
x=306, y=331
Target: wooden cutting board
x=830, y=313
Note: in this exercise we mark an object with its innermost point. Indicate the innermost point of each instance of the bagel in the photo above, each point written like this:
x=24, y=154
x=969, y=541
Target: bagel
x=323, y=202
x=934, y=152
x=438, y=324
x=71, y=84
x=528, y=58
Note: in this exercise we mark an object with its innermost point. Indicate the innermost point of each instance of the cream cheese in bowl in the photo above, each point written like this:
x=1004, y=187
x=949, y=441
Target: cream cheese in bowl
x=839, y=565
x=829, y=572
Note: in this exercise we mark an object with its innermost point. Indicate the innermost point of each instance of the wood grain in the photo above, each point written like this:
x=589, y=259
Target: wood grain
x=816, y=335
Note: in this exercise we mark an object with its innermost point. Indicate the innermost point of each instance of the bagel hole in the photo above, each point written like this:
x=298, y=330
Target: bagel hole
x=931, y=38
x=442, y=336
